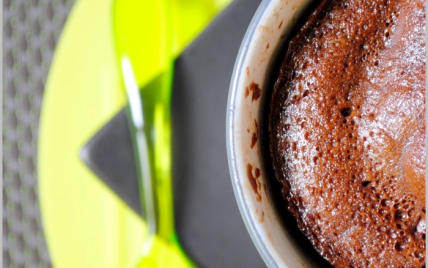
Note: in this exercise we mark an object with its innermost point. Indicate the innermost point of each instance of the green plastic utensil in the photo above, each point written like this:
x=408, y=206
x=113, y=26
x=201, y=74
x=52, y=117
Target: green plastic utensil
x=149, y=113
x=85, y=223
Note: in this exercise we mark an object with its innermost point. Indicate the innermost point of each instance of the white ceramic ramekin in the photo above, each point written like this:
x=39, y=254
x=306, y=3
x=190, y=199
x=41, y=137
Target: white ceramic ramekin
x=267, y=31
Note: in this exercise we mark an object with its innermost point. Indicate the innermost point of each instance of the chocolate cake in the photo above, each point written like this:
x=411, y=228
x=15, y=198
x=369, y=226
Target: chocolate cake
x=347, y=131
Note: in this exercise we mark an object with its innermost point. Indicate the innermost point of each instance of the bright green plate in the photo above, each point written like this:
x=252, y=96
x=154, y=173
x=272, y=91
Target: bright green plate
x=86, y=225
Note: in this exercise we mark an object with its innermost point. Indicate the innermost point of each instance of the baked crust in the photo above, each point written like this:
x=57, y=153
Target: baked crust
x=347, y=132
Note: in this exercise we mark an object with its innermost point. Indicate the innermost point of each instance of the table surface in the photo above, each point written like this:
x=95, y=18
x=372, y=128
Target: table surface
x=31, y=32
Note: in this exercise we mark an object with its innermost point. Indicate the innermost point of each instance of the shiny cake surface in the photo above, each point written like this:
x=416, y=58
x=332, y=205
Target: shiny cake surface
x=347, y=131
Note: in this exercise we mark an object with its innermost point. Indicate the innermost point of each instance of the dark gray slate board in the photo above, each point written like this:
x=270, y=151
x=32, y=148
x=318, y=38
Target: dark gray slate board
x=208, y=222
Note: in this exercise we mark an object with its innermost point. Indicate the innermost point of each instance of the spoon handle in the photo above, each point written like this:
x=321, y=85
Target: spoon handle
x=140, y=50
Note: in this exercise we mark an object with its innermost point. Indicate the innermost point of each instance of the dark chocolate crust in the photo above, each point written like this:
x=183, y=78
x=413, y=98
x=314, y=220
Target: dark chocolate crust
x=347, y=132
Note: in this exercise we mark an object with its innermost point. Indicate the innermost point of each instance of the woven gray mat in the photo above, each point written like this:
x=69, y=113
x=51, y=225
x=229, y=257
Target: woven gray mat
x=31, y=31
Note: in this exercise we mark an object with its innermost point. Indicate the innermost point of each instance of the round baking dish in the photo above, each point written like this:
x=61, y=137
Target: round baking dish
x=267, y=31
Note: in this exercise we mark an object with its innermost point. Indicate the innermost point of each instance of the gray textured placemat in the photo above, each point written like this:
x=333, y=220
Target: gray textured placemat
x=31, y=31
